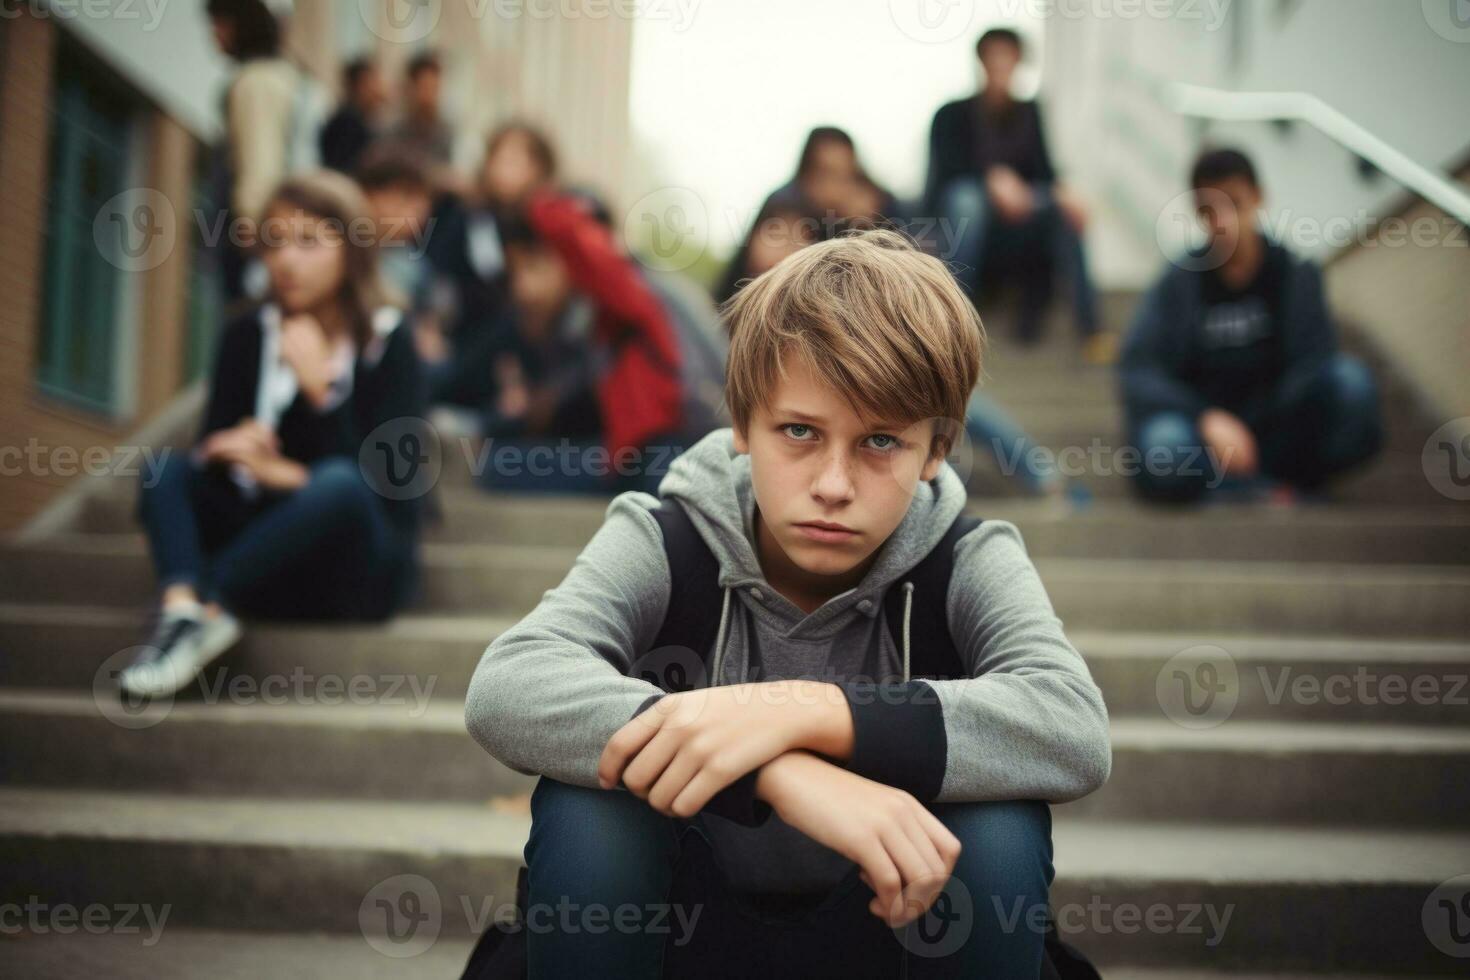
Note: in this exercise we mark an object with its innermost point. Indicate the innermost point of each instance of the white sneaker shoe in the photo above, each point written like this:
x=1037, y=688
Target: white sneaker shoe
x=182, y=645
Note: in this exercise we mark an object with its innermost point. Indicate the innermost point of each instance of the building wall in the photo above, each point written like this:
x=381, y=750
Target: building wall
x=46, y=441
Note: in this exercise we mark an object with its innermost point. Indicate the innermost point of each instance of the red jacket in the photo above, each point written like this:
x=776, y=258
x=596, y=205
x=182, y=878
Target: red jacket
x=641, y=395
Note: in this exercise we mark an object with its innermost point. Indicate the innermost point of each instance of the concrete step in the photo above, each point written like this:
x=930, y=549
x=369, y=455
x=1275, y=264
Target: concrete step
x=1276, y=678
x=1190, y=896
x=1111, y=528
x=1287, y=597
x=299, y=741
x=183, y=953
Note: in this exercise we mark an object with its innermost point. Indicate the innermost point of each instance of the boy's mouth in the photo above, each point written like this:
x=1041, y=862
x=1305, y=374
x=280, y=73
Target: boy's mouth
x=826, y=532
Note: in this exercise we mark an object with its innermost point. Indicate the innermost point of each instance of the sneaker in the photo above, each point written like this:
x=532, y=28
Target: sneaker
x=182, y=645
x=1100, y=349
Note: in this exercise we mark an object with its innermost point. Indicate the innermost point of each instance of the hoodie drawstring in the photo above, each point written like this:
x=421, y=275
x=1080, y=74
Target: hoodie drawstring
x=720, y=638
x=908, y=609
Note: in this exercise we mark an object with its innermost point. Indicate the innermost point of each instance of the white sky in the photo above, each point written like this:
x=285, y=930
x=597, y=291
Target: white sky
x=724, y=91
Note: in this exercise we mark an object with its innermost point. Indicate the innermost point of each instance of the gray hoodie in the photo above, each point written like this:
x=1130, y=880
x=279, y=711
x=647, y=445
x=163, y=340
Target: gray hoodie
x=1028, y=723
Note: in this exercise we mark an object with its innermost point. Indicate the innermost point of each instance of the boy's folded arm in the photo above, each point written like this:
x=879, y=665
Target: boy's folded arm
x=550, y=691
x=1028, y=723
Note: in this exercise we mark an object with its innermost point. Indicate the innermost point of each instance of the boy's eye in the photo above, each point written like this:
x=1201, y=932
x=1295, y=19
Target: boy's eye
x=884, y=441
x=791, y=429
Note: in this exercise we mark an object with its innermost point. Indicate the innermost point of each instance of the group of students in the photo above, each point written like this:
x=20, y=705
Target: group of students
x=764, y=548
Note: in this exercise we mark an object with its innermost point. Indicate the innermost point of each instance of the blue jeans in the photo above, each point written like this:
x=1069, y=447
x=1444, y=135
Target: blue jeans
x=325, y=551
x=992, y=430
x=1031, y=253
x=617, y=889
x=1330, y=424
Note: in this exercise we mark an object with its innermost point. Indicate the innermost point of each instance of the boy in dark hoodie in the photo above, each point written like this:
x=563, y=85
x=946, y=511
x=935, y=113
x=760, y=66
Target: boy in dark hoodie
x=904, y=819
x=1231, y=369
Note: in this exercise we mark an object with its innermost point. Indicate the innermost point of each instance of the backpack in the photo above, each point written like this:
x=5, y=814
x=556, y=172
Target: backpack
x=692, y=622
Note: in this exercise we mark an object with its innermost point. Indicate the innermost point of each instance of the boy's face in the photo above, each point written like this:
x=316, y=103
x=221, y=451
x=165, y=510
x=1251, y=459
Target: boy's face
x=999, y=58
x=401, y=211
x=540, y=284
x=1227, y=209
x=813, y=459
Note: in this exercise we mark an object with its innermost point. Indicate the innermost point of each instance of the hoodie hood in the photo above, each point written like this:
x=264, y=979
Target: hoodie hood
x=712, y=482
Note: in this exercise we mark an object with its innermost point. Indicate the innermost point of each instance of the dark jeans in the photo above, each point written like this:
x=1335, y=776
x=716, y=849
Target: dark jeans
x=619, y=890
x=1331, y=425
x=325, y=551
x=1032, y=253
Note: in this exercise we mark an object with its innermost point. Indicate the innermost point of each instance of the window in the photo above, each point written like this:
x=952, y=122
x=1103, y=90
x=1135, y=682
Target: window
x=203, y=303
x=82, y=288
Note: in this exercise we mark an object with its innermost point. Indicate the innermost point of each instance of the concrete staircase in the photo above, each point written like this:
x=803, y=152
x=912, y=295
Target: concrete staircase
x=1299, y=824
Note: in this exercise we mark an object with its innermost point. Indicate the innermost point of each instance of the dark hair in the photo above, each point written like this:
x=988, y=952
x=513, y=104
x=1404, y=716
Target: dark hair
x=541, y=148
x=393, y=166
x=422, y=62
x=1216, y=166
x=256, y=33
x=775, y=207
x=814, y=139
x=353, y=71
x=516, y=231
x=1005, y=34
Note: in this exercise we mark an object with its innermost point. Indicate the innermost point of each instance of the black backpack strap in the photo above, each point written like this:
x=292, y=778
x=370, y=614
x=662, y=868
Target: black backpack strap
x=693, y=617
x=932, y=652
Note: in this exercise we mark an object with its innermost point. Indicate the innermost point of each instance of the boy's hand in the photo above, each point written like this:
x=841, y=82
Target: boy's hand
x=689, y=746
x=905, y=852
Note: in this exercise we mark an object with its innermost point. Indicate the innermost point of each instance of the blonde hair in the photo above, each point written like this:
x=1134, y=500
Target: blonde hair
x=875, y=319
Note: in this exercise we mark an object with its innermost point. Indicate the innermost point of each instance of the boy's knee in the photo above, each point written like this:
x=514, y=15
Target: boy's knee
x=586, y=828
x=963, y=198
x=1353, y=385
x=1002, y=843
x=1172, y=464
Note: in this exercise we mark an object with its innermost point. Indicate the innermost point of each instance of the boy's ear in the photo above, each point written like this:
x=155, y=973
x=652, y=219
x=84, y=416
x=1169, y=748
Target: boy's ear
x=931, y=467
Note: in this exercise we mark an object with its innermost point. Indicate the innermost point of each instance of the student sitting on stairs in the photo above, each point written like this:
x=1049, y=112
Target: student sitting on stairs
x=765, y=665
x=1231, y=373
x=281, y=508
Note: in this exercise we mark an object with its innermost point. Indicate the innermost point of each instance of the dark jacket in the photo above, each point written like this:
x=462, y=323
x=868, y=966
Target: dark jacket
x=964, y=141
x=343, y=139
x=1162, y=361
x=387, y=384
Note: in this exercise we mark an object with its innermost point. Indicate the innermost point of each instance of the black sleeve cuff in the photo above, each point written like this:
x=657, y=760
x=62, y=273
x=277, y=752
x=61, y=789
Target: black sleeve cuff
x=736, y=802
x=898, y=736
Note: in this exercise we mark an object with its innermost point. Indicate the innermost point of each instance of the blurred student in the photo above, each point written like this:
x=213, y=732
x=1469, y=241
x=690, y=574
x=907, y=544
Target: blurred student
x=1231, y=370
x=279, y=510
x=991, y=177
x=400, y=200
x=470, y=292
x=783, y=227
x=831, y=181
x=352, y=128
x=257, y=146
x=597, y=357
x=422, y=128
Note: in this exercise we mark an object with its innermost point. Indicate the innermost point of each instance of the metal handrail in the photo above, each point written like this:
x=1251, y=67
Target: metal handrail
x=1226, y=106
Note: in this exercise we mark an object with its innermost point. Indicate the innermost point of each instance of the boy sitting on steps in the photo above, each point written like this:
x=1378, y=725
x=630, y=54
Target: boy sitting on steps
x=803, y=662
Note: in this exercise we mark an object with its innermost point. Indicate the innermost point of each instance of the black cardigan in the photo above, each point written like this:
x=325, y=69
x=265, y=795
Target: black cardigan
x=965, y=142
x=390, y=387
